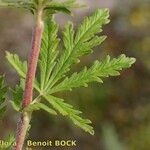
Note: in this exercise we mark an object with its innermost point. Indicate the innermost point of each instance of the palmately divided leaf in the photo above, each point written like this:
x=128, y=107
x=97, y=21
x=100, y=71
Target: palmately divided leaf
x=48, y=52
x=100, y=69
x=79, y=45
x=3, y=91
x=38, y=106
x=68, y=110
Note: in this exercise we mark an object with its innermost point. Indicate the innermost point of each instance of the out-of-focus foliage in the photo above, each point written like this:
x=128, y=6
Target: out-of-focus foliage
x=3, y=91
x=10, y=139
x=110, y=138
x=140, y=139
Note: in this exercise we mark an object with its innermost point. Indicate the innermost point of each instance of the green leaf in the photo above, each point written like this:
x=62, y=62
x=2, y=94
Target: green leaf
x=99, y=70
x=33, y=5
x=11, y=140
x=48, y=52
x=21, y=67
x=29, y=5
x=79, y=45
x=38, y=106
x=65, y=7
x=68, y=110
x=68, y=37
x=3, y=91
x=92, y=25
x=17, y=98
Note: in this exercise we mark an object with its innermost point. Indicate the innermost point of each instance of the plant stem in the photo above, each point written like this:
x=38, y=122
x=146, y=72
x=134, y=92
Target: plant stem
x=33, y=59
x=22, y=128
x=25, y=117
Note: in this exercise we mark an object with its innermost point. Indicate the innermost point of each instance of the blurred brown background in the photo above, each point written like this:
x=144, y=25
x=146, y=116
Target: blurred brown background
x=120, y=108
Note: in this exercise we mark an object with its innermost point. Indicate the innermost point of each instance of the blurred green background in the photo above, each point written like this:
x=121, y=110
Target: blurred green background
x=120, y=108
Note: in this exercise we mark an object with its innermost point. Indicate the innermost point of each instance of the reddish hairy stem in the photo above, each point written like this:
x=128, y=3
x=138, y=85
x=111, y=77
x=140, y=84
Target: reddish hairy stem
x=33, y=59
x=22, y=128
x=25, y=117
